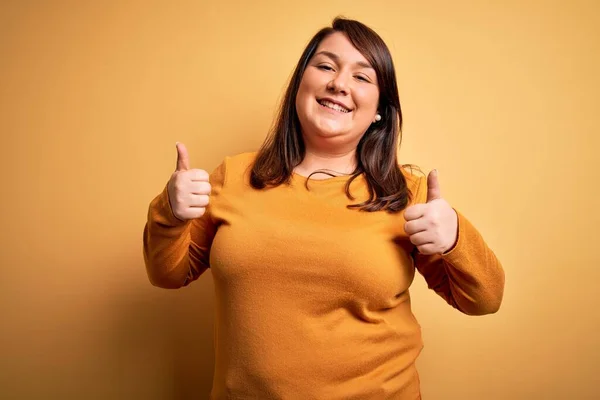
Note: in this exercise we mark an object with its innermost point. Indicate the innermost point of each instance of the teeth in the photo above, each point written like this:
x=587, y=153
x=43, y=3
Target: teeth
x=333, y=106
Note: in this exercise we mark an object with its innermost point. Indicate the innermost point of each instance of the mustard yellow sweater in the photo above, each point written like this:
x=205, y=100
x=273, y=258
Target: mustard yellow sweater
x=312, y=298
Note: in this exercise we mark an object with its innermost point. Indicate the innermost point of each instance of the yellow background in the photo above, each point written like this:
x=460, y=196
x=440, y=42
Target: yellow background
x=500, y=97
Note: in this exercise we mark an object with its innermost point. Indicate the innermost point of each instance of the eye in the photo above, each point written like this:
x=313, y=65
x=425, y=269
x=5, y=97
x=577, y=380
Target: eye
x=325, y=67
x=362, y=78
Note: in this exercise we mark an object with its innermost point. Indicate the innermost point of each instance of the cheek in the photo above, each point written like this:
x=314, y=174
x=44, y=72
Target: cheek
x=301, y=102
x=313, y=82
x=367, y=100
x=304, y=93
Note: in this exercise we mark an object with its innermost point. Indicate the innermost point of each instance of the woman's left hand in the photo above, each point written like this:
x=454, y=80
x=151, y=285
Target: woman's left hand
x=433, y=226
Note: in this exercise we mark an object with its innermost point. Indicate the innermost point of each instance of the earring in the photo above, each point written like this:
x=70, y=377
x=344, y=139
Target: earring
x=378, y=118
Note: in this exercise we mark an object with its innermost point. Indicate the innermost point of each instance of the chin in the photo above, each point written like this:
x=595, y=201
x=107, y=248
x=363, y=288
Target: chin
x=327, y=128
x=330, y=133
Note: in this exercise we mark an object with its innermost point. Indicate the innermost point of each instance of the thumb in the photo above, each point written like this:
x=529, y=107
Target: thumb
x=433, y=186
x=183, y=160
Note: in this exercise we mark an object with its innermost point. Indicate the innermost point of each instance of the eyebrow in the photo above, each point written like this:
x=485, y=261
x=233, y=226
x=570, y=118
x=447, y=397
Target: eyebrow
x=336, y=58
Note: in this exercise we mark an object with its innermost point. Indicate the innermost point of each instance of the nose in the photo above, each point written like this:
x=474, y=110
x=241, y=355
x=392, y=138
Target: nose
x=339, y=84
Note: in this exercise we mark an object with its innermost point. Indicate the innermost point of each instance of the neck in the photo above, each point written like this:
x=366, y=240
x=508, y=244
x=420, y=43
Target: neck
x=340, y=162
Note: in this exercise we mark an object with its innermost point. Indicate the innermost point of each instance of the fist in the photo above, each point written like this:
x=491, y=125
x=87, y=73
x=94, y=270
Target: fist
x=432, y=227
x=189, y=189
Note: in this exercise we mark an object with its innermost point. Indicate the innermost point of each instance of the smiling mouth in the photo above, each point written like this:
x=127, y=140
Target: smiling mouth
x=333, y=106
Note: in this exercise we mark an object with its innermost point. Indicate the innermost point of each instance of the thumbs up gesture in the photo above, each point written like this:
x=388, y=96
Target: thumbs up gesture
x=433, y=226
x=188, y=188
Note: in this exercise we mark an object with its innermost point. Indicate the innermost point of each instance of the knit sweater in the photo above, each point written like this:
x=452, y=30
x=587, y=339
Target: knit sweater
x=312, y=298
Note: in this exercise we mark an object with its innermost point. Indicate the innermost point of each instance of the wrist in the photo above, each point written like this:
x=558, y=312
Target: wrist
x=454, y=240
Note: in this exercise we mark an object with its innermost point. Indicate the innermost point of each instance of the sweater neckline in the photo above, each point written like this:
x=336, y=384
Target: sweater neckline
x=313, y=181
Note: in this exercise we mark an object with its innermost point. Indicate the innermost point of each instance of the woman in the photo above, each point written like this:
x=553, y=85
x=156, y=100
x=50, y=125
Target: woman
x=313, y=240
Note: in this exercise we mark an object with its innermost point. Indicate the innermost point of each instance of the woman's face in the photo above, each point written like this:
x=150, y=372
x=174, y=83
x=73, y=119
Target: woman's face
x=338, y=94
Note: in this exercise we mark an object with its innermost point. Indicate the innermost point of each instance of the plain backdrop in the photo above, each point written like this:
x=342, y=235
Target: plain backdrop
x=500, y=97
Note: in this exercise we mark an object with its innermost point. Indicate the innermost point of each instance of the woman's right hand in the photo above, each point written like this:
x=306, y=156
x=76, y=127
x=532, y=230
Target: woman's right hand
x=189, y=189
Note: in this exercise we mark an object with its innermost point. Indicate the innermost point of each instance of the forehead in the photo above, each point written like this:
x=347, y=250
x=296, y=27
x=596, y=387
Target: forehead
x=340, y=45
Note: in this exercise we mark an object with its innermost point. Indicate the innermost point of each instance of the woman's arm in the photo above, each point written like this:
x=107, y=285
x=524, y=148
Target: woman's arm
x=177, y=252
x=467, y=275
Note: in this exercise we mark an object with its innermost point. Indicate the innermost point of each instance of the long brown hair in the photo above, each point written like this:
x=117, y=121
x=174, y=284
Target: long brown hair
x=376, y=152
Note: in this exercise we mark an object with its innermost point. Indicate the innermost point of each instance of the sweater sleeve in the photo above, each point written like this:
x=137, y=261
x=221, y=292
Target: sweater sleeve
x=177, y=252
x=468, y=276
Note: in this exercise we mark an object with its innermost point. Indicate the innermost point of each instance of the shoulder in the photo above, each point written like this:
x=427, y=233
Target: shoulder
x=238, y=163
x=234, y=167
x=242, y=159
x=416, y=182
